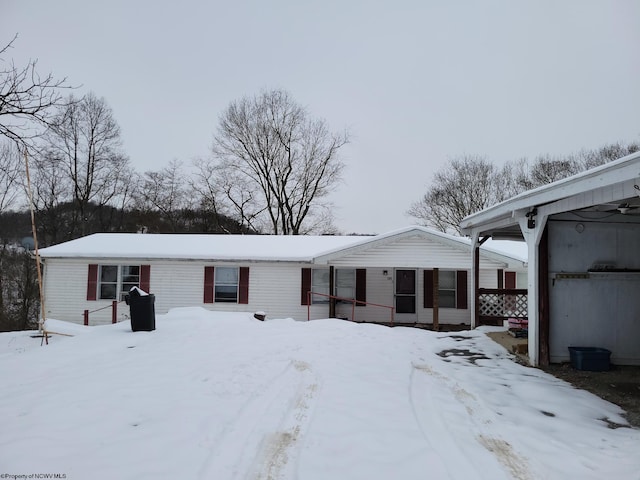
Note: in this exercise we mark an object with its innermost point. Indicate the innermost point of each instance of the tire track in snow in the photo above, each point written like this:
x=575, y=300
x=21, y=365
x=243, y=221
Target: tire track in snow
x=423, y=382
x=279, y=453
x=261, y=441
x=481, y=421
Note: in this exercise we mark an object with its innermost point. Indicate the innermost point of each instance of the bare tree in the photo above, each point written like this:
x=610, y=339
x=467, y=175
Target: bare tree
x=85, y=138
x=165, y=192
x=27, y=100
x=464, y=186
x=11, y=170
x=547, y=169
x=277, y=165
x=205, y=182
x=608, y=153
x=52, y=189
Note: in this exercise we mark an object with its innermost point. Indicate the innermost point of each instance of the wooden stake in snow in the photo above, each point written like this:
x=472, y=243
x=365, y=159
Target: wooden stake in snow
x=35, y=245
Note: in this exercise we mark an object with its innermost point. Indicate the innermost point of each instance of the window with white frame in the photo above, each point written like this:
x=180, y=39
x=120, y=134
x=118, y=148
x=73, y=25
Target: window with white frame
x=320, y=284
x=346, y=283
x=115, y=281
x=447, y=289
x=226, y=284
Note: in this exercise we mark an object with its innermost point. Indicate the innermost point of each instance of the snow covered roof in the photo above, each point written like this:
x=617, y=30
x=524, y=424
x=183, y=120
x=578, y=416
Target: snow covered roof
x=281, y=248
x=301, y=248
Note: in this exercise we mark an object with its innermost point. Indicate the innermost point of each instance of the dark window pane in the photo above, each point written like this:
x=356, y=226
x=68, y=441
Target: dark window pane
x=108, y=291
x=406, y=304
x=447, y=298
x=226, y=293
x=131, y=274
x=109, y=273
x=447, y=279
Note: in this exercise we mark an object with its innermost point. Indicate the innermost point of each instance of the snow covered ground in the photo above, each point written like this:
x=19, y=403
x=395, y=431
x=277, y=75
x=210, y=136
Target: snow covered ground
x=224, y=396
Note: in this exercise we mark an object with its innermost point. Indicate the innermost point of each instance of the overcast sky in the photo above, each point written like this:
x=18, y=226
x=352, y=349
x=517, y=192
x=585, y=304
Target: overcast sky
x=415, y=81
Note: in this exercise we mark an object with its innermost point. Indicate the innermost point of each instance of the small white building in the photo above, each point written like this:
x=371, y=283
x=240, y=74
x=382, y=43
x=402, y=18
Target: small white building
x=410, y=276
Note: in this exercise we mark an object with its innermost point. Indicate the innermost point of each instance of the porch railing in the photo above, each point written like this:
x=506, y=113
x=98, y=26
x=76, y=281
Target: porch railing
x=353, y=302
x=114, y=312
x=495, y=305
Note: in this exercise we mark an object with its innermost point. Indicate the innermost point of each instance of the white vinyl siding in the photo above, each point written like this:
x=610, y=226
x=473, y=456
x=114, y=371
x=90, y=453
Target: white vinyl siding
x=273, y=288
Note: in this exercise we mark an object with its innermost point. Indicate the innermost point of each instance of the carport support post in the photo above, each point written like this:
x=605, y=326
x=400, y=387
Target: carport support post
x=533, y=237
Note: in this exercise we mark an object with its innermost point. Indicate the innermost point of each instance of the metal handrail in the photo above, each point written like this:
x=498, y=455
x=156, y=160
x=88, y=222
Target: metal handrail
x=114, y=312
x=353, y=302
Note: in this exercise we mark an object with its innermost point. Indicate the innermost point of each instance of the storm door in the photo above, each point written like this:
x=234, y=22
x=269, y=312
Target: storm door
x=405, y=291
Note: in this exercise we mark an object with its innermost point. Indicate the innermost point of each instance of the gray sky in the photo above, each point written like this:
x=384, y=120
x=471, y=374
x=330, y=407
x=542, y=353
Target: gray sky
x=415, y=81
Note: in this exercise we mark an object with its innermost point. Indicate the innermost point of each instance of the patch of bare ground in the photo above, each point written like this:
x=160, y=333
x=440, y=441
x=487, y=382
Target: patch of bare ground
x=619, y=385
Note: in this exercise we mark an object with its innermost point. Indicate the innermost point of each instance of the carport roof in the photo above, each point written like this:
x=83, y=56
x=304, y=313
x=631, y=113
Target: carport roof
x=615, y=181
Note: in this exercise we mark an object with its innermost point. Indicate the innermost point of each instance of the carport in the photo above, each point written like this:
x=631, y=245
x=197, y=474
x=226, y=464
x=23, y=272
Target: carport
x=583, y=241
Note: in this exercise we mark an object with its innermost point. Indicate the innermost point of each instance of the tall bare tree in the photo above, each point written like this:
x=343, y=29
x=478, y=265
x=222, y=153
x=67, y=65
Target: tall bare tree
x=165, y=191
x=11, y=172
x=465, y=185
x=27, y=100
x=85, y=138
x=276, y=164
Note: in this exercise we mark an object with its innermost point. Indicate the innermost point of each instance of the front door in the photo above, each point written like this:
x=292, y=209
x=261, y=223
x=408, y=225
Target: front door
x=405, y=294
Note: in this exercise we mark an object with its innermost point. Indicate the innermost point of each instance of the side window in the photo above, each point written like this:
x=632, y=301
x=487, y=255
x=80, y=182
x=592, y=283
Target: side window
x=108, y=282
x=447, y=289
x=114, y=281
x=320, y=284
x=226, y=284
x=130, y=278
x=346, y=283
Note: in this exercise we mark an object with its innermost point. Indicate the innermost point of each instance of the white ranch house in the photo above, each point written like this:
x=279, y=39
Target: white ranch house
x=410, y=276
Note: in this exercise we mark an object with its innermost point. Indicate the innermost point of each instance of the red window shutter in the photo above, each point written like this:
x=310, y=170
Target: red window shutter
x=92, y=282
x=208, y=284
x=305, y=286
x=500, y=278
x=461, y=289
x=428, y=289
x=145, y=277
x=361, y=287
x=510, y=280
x=243, y=290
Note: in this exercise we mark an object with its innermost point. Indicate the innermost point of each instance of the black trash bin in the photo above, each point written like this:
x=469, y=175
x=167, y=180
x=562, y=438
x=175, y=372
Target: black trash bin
x=142, y=309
